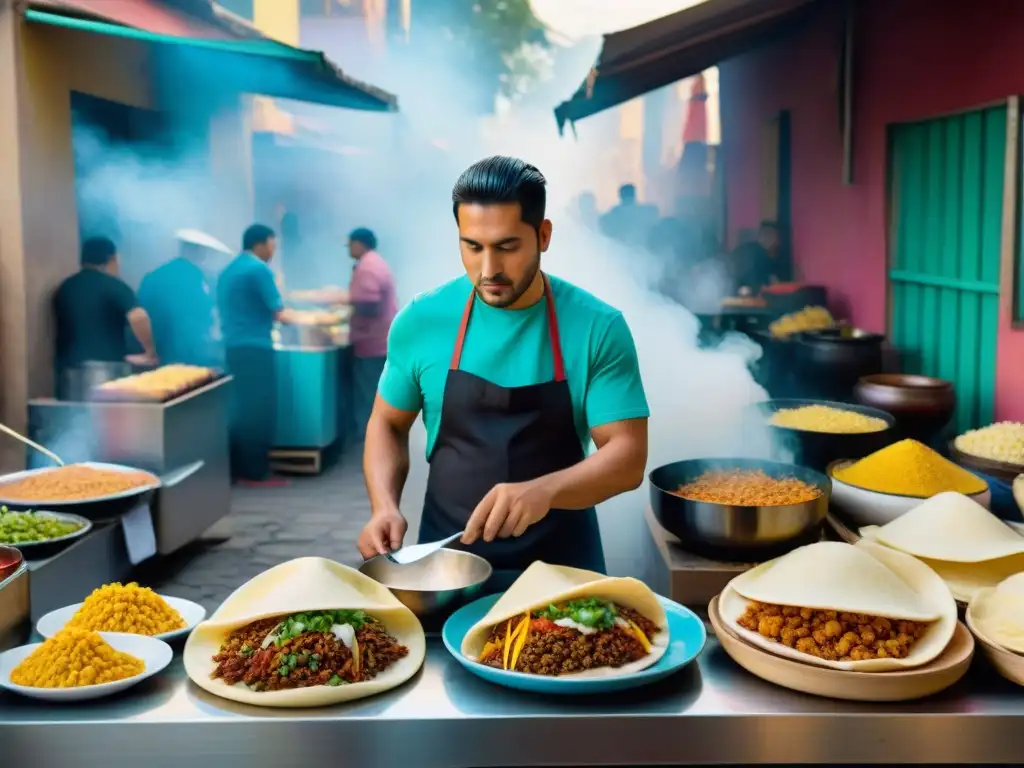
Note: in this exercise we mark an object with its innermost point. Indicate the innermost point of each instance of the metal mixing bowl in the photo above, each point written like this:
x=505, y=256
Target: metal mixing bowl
x=438, y=583
x=733, y=533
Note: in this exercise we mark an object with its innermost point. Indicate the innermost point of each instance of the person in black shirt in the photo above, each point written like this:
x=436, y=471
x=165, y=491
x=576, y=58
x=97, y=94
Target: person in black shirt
x=94, y=310
x=759, y=263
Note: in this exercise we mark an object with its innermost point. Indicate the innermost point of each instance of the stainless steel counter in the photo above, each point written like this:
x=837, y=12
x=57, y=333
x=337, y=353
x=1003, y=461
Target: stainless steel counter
x=713, y=712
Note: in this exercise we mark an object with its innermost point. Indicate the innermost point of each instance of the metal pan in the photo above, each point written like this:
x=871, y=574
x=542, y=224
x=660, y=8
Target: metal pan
x=36, y=549
x=101, y=507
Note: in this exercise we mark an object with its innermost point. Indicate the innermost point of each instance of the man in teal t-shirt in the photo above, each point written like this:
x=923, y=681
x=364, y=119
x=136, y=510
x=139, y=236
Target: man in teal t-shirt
x=515, y=373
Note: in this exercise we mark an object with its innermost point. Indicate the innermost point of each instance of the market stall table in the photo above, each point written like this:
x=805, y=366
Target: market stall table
x=712, y=712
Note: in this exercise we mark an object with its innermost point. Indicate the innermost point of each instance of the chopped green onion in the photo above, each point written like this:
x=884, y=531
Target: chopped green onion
x=283, y=671
x=335, y=680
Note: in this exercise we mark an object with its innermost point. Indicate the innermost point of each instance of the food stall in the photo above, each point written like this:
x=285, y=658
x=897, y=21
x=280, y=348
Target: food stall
x=946, y=689
x=162, y=421
x=311, y=406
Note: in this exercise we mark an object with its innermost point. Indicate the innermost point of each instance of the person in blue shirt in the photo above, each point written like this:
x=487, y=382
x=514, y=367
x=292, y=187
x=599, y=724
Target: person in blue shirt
x=249, y=303
x=515, y=372
x=180, y=303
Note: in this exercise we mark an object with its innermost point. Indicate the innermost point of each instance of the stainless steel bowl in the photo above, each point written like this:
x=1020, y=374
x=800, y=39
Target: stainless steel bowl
x=734, y=533
x=439, y=583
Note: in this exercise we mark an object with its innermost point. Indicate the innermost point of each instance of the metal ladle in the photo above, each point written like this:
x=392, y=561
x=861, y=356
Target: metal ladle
x=409, y=555
x=32, y=444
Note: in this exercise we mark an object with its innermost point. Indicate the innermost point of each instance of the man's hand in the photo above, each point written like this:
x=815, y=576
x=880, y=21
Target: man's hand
x=508, y=510
x=143, y=360
x=384, y=533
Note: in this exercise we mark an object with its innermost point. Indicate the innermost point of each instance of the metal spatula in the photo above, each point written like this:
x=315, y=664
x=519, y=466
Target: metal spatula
x=408, y=555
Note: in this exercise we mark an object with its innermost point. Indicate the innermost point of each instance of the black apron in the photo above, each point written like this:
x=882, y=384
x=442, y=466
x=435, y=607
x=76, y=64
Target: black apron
x=490, y=435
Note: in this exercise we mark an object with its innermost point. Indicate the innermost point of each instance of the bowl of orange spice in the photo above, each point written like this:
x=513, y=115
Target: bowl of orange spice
x=739, y=510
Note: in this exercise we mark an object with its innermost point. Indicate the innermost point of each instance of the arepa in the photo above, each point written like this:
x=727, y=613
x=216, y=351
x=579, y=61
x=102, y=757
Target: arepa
x=276, y=603
x=866, y=580
x=553, y=604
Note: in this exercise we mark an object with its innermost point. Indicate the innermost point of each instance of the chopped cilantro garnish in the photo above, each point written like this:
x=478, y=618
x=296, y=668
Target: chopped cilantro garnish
x=590, y=612
x=317, y=621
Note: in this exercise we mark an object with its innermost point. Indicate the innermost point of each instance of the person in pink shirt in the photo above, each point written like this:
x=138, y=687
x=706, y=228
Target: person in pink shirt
x=374, y=306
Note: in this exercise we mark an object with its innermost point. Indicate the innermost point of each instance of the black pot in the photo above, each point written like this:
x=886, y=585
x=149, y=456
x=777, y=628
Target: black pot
x=830, y=362
x=775, y=368
x=817, y=450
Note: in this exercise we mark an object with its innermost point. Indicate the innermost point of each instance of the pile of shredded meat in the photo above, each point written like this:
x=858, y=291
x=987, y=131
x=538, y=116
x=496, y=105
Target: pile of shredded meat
x=309, y=659
x=832, y=635
x=550, y=649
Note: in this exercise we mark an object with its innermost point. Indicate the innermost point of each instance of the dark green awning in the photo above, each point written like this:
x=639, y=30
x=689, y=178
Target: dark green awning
x=260, y=66
x=642, y=59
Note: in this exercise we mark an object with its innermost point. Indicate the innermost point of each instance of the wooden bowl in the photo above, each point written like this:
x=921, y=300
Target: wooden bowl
x=917, y=683
x=922, y=405
x=1007, y=663
x=1000, y=470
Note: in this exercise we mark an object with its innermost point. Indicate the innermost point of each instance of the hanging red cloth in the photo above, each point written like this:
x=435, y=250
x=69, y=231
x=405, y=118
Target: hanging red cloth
x=695, y=129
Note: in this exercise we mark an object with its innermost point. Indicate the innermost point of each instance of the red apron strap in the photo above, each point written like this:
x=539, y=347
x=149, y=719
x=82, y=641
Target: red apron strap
x=461, y=338
x=553, y=336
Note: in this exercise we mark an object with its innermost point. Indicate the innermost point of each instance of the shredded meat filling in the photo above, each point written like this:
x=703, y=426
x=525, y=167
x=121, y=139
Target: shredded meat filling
x=553, y=650
x=319, y=658
x=832, y=635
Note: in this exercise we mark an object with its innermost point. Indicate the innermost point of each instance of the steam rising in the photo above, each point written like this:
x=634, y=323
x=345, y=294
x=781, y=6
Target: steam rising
x=402, y=191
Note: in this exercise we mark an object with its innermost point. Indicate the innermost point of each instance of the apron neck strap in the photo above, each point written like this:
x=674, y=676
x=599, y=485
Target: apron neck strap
x=553, y=336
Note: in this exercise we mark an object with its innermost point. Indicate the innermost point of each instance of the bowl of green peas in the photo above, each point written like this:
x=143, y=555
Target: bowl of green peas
x=33, y=530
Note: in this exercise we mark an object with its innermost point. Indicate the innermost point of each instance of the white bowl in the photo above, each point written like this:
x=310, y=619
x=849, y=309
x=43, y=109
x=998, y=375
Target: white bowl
x=155, y=654
x=864, y=507
x=193, y=613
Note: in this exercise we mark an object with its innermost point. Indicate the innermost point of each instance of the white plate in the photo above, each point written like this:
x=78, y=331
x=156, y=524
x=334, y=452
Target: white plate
x=192, y=613
x=155, y=654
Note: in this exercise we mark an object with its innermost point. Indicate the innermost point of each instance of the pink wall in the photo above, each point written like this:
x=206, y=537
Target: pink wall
x=914, y=59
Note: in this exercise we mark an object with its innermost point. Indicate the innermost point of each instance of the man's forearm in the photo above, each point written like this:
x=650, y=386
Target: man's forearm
x=385, y=465
x=615, y=468
x=138, y=321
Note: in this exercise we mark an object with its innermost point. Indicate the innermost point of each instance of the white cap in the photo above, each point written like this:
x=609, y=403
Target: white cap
x=195, y=237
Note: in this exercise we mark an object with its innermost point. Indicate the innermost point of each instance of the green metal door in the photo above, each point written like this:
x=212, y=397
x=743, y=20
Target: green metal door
x=946, y=199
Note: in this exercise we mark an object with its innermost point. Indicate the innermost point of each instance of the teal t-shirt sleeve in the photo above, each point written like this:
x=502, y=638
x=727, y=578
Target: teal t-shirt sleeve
x=268, y=289
x=399, y=384
x=615, y=391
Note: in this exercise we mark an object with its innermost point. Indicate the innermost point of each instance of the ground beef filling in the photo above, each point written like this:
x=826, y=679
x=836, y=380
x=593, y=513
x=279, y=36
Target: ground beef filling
x=319, y=658
x=832, y=635
x=553, y=650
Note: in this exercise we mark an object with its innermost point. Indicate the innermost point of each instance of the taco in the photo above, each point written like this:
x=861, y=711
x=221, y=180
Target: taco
x=864, y=608
x=560, y=621
x=307, y=633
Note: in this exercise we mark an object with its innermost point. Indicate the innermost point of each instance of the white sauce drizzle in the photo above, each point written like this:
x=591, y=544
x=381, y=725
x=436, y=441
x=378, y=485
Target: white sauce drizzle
x=344, y=633
x=570, y=624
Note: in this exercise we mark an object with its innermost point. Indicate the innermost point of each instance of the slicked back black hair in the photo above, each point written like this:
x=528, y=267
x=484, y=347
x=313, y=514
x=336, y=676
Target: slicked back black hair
x=499, y=179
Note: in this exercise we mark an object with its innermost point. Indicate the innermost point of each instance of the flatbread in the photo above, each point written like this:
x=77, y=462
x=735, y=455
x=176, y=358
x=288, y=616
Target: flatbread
x=305, y=584
x=543, y=584
x=965, y=580
x=953, y=528
x=865, y=578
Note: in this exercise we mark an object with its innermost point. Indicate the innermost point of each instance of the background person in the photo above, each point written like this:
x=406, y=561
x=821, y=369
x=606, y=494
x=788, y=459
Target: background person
x=374, y=306
x=249, y=303
x=93, y=310
x=181, y=304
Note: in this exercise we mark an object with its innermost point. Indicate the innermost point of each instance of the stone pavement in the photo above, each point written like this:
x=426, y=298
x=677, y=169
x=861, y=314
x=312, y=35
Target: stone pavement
x=319, y=516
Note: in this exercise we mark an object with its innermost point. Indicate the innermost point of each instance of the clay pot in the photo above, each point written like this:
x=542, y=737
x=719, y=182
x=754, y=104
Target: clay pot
x=922, y=405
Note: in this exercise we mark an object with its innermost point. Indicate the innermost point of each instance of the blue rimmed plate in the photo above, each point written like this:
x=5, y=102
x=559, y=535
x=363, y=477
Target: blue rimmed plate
x=686, y=640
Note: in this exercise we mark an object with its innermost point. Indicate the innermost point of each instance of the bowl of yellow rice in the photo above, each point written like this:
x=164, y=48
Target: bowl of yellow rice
x=78, y=664
x=128, y=609
x=818, y=432
x=878, y=488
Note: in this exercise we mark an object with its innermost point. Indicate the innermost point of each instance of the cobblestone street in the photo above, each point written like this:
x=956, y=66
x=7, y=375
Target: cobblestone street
x=319, y=516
